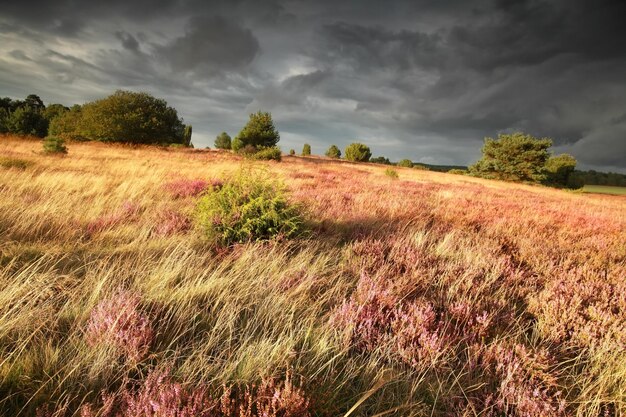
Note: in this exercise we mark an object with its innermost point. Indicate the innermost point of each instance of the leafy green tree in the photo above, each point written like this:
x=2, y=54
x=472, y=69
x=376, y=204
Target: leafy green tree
x=358, y=152
x=4, y=117
x=381, y=160
x=52, y=145
x=406, y=163
x=187, y=131
x=27, y=121
x=260, y=131
x=223, y=141
x=559, y=168
x=292, y=152
x=34, y=102
x=54, y=110
x=237, y=144
x=67, y=125
x=513, y=157
x=306, y=150
x=333, y=152
x=126, y=116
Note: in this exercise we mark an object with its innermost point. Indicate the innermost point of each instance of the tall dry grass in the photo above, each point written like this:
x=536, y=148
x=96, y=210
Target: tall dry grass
x=427, y=295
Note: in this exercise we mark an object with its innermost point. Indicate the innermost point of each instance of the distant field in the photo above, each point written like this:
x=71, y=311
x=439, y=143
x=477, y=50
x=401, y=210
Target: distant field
x=424, y=294
x=604, y=189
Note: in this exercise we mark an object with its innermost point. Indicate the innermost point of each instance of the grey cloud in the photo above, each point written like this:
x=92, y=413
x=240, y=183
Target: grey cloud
x=413, y=78
x=211, y=45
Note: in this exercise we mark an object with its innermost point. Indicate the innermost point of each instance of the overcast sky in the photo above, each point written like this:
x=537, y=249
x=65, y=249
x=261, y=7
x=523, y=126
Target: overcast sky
x=417, y=79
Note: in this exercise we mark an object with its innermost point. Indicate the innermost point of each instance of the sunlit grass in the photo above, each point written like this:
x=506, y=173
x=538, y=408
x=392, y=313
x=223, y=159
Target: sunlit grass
x=433, y=294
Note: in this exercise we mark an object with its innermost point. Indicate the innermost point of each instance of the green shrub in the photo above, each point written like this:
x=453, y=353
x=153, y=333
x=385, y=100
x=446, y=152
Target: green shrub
x=405, y=163
x=357, y=152
x=380, y=160
x=391, y=173
x=333, y=152
x=223, y=141
x=306, y=150
x=458, y=171
x=420, y=166
x=237, y=144
x=247, y=208
x=53, y=144
x=17, y=163
x=267, y=154
x=292, y=152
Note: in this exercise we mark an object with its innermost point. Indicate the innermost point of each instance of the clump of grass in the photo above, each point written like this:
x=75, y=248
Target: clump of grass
x=267, y=154
x=247, y=208
x=391, y=173
x=54, y=145
x=16, y=163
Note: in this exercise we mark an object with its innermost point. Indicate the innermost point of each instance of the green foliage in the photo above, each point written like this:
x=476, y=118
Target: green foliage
x=237, y=144
x=514, y=157
x=292, y=152
x=52, y=145
x=420, y=166
x=381, y=160
x=187, y=131
x=17, y=163
x=126, y=116
x=358, y=152
x=391, y=173
x=333, y=152
x=54, y=110
x=306, y=150
x=259, y=131
x=223, y=141
x=4, y=116
x=579, y=178
x=406, y=163
x=27, y=121
x=250, y=207
x=66, y=125
x=458, y=171
x=267, y=154
x=558, y=169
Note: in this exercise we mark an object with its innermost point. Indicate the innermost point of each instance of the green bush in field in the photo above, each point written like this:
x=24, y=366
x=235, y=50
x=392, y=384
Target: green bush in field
x=458, y=171
x=52, y=145
x=391, y=173
x=17, y=163
x=223, y=141
x=292, y=152
x=357, y=152
x=247, y=208
x=267, y=154
x=333, y=152
x=306, y=150
x=406, y=163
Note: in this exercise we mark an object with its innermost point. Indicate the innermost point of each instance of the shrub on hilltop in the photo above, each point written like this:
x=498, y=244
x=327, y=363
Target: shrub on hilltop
x=333, y=152
x=247, y=208
x=358, y=152
x=259, y=131
x=406, y=163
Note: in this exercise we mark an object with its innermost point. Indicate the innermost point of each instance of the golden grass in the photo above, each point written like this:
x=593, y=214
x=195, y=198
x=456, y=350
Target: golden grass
x=74, y=229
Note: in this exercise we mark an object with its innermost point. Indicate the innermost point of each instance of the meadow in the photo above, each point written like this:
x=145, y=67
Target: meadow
x=604, y=189
x=421, y=294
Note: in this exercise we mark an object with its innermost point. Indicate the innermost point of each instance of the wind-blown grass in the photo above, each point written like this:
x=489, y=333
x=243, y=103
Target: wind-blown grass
x=430, y=295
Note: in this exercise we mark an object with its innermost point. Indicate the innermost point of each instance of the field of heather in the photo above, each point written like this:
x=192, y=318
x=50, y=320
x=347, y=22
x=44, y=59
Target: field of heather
x=429, y=294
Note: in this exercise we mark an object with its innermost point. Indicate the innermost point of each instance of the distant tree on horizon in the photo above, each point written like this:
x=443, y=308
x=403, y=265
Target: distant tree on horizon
x=333, y=152
x=223, y=141
x=406, y=163
x=357, y=152
x=306, y=150
x=513, y=157
x=259, y=132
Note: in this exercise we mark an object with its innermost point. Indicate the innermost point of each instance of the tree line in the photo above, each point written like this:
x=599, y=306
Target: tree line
x=124, y=116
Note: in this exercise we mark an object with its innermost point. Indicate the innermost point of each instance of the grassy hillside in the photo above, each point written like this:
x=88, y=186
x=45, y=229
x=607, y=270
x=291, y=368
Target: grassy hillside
x=428, y=295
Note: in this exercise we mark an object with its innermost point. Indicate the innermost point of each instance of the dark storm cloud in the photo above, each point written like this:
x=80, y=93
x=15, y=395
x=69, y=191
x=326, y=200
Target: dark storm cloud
x=419, y=79
x=211, y=44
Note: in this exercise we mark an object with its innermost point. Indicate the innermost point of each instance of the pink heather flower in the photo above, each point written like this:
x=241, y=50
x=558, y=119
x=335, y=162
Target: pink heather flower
x=117, y=321
x=182, y=188
x=126, y=212
x=169, y=222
